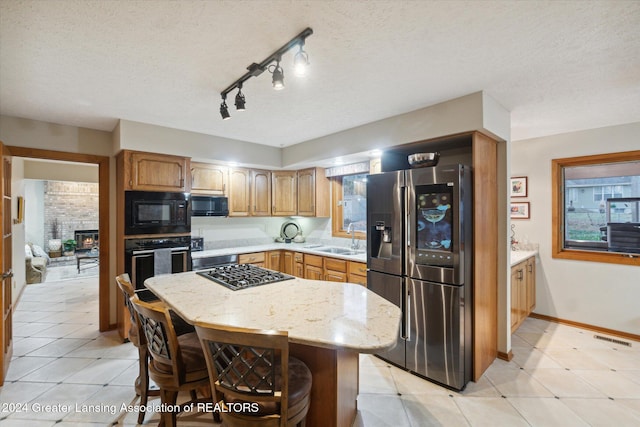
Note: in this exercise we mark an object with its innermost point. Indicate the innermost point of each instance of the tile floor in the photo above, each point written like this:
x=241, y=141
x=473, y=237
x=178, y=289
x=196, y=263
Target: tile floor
x=560, y=376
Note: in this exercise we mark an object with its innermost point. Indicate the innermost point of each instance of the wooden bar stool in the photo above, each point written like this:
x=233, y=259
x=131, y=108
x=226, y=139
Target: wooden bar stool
x=137, y=338
x=177, y=362
x=253, y=378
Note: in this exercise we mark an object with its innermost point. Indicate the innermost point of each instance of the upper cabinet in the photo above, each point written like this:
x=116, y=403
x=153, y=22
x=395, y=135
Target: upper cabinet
x=260, y=193
x=239, y=192
x=155, y=172
x=209, y=179
x=313, y=193
x=255, y=192
x=285, y=193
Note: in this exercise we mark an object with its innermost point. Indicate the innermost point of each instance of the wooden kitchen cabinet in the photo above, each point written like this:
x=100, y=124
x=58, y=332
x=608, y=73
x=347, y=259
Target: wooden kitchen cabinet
x=239, y=192
x=274, y=260
x=313, y=267
x=523, y=291
x=530, y=275
x=155, y=172
x=284, y=193
x=210, y=179
x=335, y=270
x=358, y=273
x=256, y=258
x=313, y=193
x=260, y=190
x=287, y=263
x=298, y=264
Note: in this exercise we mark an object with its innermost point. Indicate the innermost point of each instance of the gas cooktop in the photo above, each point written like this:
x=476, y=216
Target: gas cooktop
x=243, y=276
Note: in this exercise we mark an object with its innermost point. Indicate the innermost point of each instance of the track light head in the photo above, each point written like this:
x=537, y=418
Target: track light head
x=224, y=110
x=240, y=101
x=301, y=61
x=278, y=76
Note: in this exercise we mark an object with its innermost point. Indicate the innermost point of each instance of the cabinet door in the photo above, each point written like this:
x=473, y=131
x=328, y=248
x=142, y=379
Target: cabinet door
x=239, y=192
x=313, y=193
x=260, y=193
x=284, y=193
x=306, y=192
x=531, y=285
x=313, y=272
x=299, y=270
x=515, y=298
x=287, y=262
x=274, y=260
x=157, y=172
x=210, y=179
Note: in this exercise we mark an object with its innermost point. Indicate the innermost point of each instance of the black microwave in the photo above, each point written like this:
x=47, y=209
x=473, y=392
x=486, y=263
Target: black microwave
x=209, y=206
x=151, y=212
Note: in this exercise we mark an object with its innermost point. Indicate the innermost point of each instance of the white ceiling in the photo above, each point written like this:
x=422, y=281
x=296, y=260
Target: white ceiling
x=558, y=66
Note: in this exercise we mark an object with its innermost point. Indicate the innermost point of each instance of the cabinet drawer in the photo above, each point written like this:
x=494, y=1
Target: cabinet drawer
x=335, y=264
x=298, y=257
x=358, y=268
x=314, y=260
x=251, y=258
x=358, y=280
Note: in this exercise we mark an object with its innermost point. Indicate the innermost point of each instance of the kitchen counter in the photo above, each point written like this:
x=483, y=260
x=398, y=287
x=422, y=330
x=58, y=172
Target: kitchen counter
x=329, y=324
x=296, y=247
x=519, y=256
x=314, y=312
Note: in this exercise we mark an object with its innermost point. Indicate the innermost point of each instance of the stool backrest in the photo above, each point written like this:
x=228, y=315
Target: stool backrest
x=243, y=365
x=162, y=342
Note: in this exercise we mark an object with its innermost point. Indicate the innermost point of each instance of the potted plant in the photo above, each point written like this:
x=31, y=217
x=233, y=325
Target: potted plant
x=69, y=246
x=55, y=244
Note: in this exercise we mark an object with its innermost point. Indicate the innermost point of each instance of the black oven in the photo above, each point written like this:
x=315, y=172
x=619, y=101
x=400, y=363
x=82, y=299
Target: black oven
x=149, y=212
x=149, y=257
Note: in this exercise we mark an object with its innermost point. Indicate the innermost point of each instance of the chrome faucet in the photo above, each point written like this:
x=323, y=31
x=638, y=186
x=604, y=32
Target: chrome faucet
x=350, y=230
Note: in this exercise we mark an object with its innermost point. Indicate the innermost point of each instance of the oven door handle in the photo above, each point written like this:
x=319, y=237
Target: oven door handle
x=150, y=251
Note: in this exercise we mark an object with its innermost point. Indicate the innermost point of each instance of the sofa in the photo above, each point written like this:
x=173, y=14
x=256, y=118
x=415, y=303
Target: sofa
x=36, y=260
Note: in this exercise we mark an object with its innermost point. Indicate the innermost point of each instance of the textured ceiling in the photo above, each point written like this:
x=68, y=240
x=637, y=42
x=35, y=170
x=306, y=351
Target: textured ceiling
x=557, y=66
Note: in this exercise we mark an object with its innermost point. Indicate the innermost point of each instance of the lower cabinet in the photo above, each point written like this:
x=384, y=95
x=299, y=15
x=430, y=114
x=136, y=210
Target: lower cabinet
x=307, y=266
x=274, y=260
x=358, y=273
x=335, y=270
x=298, y=264
x=523, y=291
x=255, y=258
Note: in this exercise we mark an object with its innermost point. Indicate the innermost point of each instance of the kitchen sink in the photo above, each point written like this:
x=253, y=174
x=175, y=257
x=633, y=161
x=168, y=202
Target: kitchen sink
x=340, y=251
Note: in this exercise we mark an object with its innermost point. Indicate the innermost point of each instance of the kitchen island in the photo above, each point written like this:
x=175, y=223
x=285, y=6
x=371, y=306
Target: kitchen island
x=329, y=324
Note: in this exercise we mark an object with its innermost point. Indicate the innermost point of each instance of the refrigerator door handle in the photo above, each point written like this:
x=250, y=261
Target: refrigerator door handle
x=406, y=332
x=405, y=196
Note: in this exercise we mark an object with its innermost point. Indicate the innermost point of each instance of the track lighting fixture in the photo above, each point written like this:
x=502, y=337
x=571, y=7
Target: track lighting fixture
x=240, y=99
x=278, y=76
x=301, y=61
x=271, y=64
x=224, y=110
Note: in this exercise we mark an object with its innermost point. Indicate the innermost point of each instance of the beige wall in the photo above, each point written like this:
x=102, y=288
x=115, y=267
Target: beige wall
x=60, y=171
x=604, y=295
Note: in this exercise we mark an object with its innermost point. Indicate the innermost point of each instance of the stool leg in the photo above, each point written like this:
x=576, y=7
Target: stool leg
x=143, y=379
x=169, y=398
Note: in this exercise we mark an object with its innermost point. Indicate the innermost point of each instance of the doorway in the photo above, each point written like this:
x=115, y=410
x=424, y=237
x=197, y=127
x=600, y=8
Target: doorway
x=103, y=212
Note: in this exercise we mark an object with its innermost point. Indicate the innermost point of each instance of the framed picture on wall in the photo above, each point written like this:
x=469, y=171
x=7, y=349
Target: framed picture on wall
x=520, y=210
x=518, y=186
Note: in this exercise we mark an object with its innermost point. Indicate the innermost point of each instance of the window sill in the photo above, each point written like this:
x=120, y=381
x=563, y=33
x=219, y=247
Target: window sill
x=594, y=256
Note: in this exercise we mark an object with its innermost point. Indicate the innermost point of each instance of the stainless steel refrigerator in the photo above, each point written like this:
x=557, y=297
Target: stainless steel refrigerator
x=419, y=257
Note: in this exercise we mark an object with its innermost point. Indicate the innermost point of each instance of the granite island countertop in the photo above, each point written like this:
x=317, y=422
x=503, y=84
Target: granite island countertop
x=314, y=312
